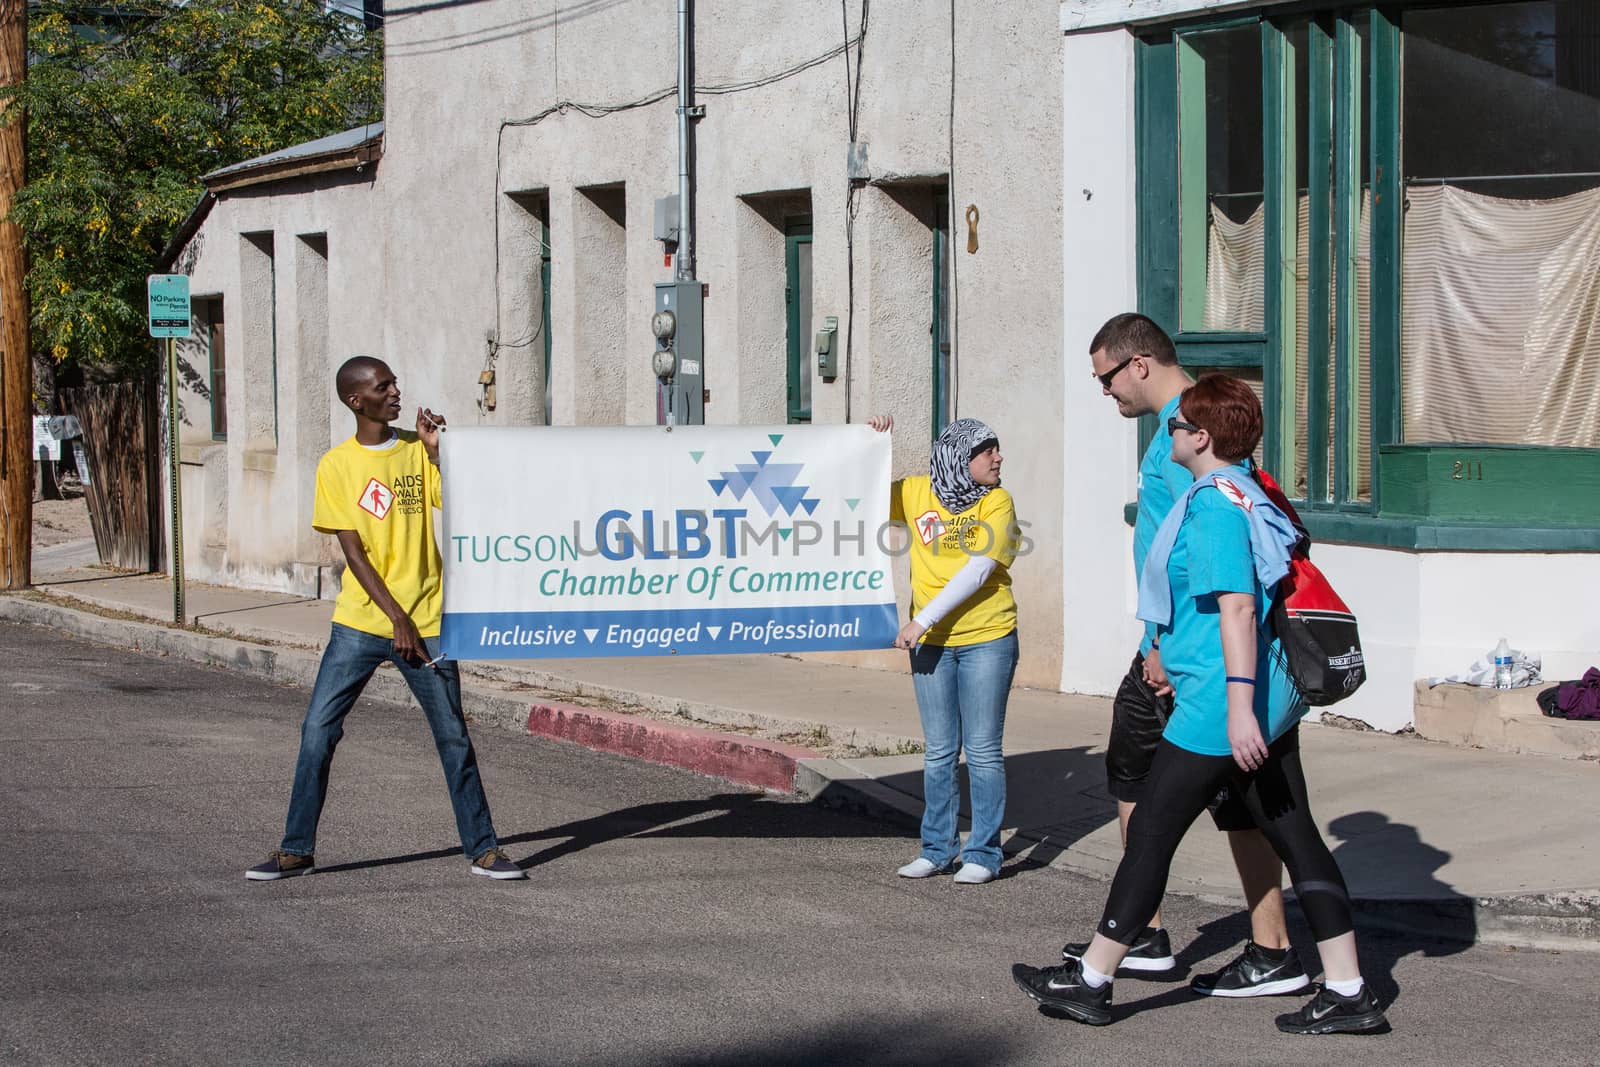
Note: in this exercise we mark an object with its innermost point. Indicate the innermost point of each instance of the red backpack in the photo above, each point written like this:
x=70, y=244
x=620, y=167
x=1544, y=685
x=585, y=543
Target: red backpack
x=1321, y=647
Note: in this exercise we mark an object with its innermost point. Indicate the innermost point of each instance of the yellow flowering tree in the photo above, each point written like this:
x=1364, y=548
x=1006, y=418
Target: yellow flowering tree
x=128, y=104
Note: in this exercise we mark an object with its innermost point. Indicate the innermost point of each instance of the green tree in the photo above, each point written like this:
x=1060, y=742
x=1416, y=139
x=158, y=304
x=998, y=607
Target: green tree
x=128, y=104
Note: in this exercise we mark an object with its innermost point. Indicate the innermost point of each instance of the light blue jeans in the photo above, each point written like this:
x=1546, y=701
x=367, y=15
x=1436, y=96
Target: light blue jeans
x=961, y=695
x=347, y=664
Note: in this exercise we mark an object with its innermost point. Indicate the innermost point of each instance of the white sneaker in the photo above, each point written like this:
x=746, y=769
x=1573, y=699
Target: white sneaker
x=921, y=867
x=973, y=874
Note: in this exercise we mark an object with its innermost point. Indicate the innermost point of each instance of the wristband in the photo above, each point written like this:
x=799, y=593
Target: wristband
x=1245, y=681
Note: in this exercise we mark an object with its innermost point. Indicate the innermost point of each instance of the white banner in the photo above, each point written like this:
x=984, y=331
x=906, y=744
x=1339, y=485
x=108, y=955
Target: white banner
x=651, y=541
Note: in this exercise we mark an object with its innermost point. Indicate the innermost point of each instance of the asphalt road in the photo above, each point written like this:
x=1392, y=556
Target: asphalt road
x=668, y=918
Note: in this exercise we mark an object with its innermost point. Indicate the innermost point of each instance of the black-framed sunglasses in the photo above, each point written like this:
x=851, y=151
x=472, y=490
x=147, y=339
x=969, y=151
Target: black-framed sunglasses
x=1111, y=375
x=1174, y=424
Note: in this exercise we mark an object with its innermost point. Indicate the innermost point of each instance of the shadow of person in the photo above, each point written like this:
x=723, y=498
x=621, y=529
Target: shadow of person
x=1392, y=875
x=1054, y=798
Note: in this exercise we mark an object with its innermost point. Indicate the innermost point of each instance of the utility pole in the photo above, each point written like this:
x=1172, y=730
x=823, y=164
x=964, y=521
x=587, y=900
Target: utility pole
x=16, y=370
x=679, y=358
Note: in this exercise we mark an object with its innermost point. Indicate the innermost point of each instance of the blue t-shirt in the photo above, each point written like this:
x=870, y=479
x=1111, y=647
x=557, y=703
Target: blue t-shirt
x=1212, y=555
x=1161, y=482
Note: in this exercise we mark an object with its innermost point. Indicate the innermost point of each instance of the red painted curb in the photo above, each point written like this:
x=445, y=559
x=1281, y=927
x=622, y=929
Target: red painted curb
x=745, y=760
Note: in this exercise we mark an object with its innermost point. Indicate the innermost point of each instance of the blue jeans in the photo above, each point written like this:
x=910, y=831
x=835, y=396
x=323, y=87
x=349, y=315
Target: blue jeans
x=347, y=663
x=961, y=695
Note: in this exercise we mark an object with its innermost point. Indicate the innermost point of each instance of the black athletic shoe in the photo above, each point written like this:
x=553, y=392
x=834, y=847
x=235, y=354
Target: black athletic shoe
x=1062, y=989
x=1329, y=1013
x=1254, y=974
x=1150, y=952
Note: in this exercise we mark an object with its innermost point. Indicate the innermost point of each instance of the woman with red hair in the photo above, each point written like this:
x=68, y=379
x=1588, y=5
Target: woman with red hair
x=1207, y=584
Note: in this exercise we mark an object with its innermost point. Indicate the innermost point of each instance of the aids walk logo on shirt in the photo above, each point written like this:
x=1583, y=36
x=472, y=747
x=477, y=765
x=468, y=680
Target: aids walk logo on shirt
x=379, y=499
x=930, y=526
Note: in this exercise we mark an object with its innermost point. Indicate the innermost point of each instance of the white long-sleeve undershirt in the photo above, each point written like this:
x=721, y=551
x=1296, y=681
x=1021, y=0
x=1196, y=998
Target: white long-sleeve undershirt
x=968, y=580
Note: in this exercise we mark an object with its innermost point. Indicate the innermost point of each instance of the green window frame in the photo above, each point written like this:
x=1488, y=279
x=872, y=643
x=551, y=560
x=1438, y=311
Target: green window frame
x=939, y=327
x=1522, y=498
x=211, y=315
x=544, y=316
x=797, y=232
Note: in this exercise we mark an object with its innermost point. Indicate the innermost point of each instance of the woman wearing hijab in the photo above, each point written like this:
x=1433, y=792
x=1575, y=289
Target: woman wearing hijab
x=1207, y=583
x=963, y=641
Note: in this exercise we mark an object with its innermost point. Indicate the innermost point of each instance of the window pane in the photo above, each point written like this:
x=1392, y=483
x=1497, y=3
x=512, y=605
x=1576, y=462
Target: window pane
x=1501, y=138
x=1298, y=39
x=807, y=351
x=1351, y=466
x=218, y=361
x=1221, y=167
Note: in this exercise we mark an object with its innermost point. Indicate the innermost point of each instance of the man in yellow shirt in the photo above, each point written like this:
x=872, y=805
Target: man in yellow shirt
x=375, y=493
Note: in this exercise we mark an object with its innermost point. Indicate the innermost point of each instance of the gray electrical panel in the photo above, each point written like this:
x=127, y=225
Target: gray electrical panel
x=679, y=360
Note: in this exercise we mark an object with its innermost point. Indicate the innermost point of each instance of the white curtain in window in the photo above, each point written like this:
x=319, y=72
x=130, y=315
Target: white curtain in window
x=1501, y=319
x=1235, y=269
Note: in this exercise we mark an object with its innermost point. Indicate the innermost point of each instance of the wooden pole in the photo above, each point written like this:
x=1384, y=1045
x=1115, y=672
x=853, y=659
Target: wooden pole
x=16, y=371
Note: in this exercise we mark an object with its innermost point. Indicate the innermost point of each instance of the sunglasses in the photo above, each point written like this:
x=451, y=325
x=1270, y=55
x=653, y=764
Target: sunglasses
x=1174, y=424
x=1111, y=375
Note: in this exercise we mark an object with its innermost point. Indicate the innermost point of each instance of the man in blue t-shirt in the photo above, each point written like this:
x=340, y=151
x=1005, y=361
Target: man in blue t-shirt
x=1137, y=366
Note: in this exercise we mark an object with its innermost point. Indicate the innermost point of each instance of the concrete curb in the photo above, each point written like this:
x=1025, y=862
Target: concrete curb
x=741, y=760
x=1562, y=921
x=700, y=711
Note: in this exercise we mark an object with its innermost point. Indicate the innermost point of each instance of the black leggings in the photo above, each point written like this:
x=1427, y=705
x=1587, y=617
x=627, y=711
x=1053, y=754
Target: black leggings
x=1180, y=786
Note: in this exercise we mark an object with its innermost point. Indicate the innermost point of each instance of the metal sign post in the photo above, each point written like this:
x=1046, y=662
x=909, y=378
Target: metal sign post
x=169, y=319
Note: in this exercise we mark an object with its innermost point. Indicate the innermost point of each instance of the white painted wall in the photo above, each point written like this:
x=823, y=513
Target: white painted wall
x=1099, y=454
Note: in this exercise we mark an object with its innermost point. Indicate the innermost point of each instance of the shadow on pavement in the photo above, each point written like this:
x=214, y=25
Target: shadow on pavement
x=727, y=815
x=1058, y=796
x=868, y=1039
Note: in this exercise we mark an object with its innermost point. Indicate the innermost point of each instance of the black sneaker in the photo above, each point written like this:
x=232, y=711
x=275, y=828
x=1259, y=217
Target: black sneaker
x=496, y=864
x=1062, y=989
x=1151, y=952
x=281, y=865
x=1329, y=1013
x=1254, y=974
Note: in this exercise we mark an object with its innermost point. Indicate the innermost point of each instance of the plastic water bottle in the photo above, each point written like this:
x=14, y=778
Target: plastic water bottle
x=1502, y=665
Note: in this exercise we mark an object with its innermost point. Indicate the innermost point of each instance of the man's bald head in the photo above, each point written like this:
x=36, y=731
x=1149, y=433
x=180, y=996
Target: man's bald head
x=356, y=372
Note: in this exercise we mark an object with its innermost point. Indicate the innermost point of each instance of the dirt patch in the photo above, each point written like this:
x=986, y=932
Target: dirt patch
x=58, y=521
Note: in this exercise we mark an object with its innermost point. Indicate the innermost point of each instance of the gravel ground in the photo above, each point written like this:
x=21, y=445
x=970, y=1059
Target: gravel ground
x=58, y=521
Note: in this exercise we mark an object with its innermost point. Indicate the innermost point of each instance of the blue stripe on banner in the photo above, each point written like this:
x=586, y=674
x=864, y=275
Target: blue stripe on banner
x=685, y=632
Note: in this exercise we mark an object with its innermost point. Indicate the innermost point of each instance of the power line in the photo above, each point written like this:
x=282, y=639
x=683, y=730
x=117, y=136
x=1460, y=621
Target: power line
x=602, y=110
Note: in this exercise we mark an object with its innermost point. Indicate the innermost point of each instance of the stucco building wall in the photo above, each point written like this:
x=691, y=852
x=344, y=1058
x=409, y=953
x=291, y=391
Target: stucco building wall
x=432, y=257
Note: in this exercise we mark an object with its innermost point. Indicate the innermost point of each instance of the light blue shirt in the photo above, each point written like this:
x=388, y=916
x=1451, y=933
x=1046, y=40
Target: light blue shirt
x=1161, y=482
x=1213, y=554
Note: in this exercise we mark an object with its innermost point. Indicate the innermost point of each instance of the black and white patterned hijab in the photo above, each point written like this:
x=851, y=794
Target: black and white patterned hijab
x=950, y=466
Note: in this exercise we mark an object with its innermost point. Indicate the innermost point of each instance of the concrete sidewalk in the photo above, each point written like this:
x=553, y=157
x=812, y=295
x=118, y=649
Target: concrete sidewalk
x=1460, y=842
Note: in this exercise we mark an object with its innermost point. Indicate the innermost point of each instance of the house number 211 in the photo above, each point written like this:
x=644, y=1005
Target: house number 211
x=1467, y=470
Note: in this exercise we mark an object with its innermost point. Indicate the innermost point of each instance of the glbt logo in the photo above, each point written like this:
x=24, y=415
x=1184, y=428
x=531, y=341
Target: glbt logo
x=376, y=498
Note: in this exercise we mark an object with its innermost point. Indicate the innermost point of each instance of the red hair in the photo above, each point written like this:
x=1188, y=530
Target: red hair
x=1228, y=410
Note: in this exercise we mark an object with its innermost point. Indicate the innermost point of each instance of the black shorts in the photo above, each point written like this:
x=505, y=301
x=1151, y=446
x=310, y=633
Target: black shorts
x=1138, y=716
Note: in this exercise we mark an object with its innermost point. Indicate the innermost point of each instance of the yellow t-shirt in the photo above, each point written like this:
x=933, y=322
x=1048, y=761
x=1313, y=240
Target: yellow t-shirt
x=385, y=495
x=940, y=546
